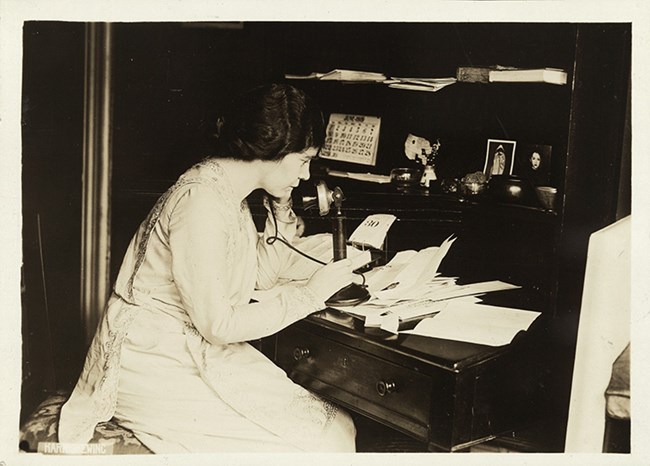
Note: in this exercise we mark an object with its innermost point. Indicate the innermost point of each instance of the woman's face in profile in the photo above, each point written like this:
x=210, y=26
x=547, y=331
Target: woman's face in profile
x=286, y=174
x=535, y=160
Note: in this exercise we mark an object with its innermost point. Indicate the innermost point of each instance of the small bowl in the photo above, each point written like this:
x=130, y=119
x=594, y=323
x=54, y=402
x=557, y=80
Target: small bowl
x=546, y=196
x=472, y=188
x=510, y=189
x=405, y=178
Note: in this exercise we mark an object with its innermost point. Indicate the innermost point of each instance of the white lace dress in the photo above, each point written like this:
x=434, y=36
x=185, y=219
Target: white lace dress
x=170, y=359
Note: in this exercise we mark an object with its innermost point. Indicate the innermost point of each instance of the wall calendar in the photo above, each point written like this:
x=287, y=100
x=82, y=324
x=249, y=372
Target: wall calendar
x=352, y=138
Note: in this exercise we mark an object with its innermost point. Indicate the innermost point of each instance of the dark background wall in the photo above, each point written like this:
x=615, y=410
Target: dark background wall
x=52, y=122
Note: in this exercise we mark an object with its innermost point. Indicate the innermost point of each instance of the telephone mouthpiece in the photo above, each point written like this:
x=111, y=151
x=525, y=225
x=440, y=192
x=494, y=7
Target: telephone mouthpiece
x=323, y=198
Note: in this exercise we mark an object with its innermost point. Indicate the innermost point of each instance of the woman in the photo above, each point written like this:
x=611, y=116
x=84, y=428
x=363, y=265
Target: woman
x=170, y=359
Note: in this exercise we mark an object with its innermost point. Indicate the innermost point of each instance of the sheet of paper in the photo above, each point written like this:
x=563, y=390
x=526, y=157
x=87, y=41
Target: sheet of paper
x=472, y=289
x=421, y=268
x=476, y=323
x=422, y=307
x=469, y=333
x=390, y=323
x=374, y=318
x=381, y=277
x=485, y=314
x=359, y=258
x=372, y=230
x=427, y=290
x=375, y=314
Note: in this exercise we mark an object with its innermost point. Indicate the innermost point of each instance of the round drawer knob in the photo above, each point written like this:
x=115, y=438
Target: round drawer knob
x=384, y=388
x=300, y=353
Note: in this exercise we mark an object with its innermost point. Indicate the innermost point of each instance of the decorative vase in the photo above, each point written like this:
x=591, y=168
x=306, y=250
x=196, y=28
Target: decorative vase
x=428, y=176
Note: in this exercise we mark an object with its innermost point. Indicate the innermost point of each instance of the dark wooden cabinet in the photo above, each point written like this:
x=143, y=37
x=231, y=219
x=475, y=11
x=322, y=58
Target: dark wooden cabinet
x=586, y=124
x=448, y=395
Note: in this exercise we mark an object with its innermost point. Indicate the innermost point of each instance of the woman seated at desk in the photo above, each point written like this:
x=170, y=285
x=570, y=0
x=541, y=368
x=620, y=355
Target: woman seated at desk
x=170, y=360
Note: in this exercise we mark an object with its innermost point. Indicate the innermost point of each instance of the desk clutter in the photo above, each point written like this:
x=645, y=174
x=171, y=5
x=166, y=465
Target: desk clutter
x=467, y=74
x=426, y=84
x=408, y=295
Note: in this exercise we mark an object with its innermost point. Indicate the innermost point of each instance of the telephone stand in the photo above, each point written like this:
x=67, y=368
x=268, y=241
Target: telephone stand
x=353, y=293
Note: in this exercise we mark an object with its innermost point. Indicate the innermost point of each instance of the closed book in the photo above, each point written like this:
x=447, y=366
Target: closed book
x=538, y=75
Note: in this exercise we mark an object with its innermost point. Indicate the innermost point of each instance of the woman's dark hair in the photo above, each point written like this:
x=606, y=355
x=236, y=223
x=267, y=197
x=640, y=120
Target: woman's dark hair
x=269, y=122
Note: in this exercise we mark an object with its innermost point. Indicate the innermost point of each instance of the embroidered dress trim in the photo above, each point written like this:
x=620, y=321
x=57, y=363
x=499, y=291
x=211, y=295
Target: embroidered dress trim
x=237, y=372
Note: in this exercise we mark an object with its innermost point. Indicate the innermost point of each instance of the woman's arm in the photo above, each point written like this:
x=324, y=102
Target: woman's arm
x=198, y=238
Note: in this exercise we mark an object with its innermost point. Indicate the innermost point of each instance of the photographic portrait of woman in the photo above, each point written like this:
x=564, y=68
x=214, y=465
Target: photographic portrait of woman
x=170, y=359
x=535, y=164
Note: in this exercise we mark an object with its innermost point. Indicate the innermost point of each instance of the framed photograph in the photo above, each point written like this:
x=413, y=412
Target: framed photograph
x=534, y=164
x=499, y=157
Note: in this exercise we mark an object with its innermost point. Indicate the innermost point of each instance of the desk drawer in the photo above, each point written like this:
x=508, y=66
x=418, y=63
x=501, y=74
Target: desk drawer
x=389, y=386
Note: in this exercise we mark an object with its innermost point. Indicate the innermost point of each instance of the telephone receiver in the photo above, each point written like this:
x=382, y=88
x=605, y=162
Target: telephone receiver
x=323, y=199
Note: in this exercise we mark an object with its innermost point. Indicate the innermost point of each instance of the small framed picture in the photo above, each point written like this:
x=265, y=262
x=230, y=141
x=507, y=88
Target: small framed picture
x=499, y=157
x=534, y=164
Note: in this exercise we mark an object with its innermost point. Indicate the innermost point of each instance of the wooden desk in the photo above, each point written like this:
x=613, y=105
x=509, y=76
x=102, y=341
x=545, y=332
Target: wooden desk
x=448, y=394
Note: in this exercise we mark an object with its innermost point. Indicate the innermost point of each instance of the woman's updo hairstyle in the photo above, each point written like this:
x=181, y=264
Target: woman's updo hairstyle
x=269, y=122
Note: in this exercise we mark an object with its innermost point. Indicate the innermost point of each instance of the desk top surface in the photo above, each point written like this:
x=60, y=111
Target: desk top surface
x=448, y=354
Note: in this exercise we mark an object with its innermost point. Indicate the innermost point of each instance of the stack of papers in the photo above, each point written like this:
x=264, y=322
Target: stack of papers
x=409, y=289
x=408, y=295
x=413, y=84
x=429, y=300
x=408, y=275
x=342, y=75
x=420, y=84
x=536, y=75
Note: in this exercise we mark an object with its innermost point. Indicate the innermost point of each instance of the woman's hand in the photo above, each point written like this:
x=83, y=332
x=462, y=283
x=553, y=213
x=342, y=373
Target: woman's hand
x=332, y=277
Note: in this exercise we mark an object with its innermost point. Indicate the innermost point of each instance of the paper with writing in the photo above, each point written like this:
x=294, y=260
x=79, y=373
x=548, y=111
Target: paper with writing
x=372, y=231
x=406, y=269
